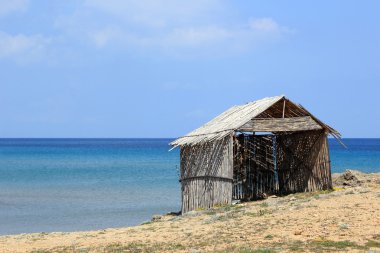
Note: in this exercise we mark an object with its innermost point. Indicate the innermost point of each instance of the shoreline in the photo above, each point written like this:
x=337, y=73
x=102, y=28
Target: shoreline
x=347, y=218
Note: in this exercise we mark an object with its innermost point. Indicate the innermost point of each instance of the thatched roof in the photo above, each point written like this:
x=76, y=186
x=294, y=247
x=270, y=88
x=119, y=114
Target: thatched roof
x=239, y=116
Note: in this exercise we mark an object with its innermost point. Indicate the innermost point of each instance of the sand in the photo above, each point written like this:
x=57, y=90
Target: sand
x=344, y=220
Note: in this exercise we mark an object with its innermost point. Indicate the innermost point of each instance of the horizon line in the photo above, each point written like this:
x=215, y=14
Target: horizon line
x=330, y=137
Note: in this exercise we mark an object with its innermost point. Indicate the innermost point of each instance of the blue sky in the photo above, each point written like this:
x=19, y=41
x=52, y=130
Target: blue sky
x=139, y=68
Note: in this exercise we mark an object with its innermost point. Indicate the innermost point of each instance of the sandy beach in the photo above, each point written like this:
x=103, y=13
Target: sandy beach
x=344, y=220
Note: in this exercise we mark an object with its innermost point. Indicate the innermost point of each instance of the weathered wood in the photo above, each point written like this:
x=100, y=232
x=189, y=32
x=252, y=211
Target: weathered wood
x=281, y=125
x=206, y=174
x=303, y=162
x=215, y=173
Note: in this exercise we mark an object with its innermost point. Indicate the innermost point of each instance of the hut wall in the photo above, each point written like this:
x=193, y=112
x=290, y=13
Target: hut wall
x=303, y=162
x=206, y=174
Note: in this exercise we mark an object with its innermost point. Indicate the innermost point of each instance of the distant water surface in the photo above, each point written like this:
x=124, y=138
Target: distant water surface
x=85, y=184
x=360, y=154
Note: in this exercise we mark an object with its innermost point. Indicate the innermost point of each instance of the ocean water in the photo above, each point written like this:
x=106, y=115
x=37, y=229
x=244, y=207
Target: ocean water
x=84, y=184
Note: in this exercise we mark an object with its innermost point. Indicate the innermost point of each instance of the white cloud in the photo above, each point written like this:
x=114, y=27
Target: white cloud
x=264, y=24
x=144, y=23
x=196, y=36
x=22, y=48
x=103, y=37
x=189, y=28
x=203, y=39
x=155, y=13
x=9, y=6
x=256, y=30
x=268, y=25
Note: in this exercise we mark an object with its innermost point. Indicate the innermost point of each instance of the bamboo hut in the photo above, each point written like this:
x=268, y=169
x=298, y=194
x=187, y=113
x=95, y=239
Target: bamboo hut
x=269, y=146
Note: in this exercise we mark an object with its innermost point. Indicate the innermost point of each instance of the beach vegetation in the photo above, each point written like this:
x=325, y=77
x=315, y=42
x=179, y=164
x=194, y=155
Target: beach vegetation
x=176, y=218
x=148, y=228
x=259, y=250
x=238, y=206
x=84, y=250
x=263, y=212
x=337, y=244
x=260, y=212
x=224, y=208
x=252, y=214
x=296, y=246
x=118, y=247
x=308, y=195
x=135, y=247
x=373, y=244
x=269, y=237
x=64, y=249
x=156, y=218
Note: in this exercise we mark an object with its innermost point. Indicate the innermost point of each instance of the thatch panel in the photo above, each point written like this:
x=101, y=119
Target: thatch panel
x=320, y=166
x=206, y=174
x=280, y=124
x=303, y=162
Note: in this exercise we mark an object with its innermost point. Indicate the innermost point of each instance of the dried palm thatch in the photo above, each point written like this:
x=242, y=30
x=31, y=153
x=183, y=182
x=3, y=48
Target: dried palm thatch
x=239, y=116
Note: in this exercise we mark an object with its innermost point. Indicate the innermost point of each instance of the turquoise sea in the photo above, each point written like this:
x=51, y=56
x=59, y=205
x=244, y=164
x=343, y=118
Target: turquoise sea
x=84, y=184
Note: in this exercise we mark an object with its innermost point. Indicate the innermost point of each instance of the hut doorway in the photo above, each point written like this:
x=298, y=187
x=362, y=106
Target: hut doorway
x=279, y=163
x=254, y=171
